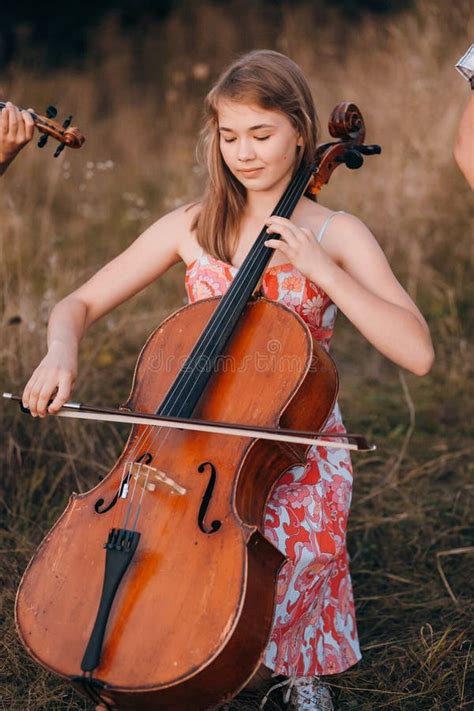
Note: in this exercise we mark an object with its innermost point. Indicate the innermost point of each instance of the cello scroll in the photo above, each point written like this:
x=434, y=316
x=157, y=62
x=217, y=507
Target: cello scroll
x=347, y=124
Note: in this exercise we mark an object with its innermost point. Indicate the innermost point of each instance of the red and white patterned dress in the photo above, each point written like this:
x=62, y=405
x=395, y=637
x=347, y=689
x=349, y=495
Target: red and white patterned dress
x=314, y=630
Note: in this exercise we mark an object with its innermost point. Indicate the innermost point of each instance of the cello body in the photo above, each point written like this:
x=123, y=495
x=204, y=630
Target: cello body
x=191, y=617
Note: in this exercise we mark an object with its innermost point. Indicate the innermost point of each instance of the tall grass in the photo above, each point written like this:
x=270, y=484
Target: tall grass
x=138, y=99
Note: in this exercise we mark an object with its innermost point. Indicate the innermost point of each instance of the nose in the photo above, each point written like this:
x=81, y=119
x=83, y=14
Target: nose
x=246, y=150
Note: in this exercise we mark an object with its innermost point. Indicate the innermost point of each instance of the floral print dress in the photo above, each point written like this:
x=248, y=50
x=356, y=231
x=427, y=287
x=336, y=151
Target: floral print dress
x=314, y=630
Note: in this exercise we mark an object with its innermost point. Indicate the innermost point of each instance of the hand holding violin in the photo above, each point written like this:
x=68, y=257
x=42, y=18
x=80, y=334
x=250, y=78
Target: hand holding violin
x=16, y=130
x=17, y=127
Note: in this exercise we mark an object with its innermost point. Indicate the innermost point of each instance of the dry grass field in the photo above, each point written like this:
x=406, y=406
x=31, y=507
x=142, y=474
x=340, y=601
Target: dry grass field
x=138, y=99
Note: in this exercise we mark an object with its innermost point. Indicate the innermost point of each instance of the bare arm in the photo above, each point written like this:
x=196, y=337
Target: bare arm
x=464, y=146
x=352, y=269
x=366, y=290
x=147, y=258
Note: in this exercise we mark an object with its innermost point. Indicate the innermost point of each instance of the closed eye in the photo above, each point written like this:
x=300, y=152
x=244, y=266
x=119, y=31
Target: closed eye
x=258, y=138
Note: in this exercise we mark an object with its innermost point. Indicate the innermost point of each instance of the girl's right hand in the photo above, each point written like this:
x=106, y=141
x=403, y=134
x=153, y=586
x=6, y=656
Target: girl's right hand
x=53, y=379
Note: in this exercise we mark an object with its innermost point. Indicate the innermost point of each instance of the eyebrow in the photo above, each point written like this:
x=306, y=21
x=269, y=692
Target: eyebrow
x=252, y=128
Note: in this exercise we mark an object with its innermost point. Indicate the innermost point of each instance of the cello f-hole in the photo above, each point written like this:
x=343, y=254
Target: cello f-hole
x=206, y=500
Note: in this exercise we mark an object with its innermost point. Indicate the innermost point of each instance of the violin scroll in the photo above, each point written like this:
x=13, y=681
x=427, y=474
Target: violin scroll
x=66, y=134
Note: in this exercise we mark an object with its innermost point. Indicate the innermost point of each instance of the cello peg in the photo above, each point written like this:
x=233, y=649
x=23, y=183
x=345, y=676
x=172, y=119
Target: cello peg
x=352, y=158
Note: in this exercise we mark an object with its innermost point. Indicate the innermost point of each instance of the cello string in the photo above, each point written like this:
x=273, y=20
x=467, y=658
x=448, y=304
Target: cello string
x=125, y=483
x=155, y=432
x=129, y=503
x=140, y=502
x=301, y=180
x=129, y=465
x=209, y=334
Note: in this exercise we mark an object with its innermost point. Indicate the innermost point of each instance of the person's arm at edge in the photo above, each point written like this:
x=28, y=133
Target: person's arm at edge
x=464, y=145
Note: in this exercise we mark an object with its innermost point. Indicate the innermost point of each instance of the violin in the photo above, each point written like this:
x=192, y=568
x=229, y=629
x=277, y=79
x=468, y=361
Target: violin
x=66, y=134
x=177, y=612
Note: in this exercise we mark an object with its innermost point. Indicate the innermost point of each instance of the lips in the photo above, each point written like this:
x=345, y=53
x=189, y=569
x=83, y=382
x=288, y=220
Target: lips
x=249, y=171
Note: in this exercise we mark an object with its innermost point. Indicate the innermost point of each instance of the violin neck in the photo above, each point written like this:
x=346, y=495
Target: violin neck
x=32, y=113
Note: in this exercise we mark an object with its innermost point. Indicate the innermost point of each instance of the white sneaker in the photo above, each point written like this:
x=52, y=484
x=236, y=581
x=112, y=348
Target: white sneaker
x=310, y=694
x=303, y=693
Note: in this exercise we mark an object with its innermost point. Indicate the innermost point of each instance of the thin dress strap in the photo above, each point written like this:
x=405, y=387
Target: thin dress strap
x=326, y=224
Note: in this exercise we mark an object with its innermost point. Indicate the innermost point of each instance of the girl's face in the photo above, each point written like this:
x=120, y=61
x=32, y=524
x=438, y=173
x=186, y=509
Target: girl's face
x=259, y=146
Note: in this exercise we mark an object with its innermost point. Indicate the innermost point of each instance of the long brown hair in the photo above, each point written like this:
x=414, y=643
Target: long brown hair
x=271, y=81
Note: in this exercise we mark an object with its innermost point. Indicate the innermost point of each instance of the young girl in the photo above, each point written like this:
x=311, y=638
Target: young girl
x=262, y=126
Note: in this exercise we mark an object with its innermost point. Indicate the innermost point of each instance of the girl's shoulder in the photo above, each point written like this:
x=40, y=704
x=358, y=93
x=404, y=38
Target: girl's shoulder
x=326, y=223
x=343, y=235
x=182, y=216
x=176, y=227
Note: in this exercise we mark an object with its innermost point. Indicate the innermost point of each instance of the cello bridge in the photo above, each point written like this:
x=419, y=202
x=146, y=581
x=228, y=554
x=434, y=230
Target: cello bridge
x=150, y=476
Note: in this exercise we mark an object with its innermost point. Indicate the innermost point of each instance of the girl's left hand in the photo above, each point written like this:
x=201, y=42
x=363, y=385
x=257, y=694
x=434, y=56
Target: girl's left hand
x=300, y=247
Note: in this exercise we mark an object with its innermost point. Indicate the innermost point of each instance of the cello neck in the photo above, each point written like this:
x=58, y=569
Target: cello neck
x=258, y=257
x=189, y=385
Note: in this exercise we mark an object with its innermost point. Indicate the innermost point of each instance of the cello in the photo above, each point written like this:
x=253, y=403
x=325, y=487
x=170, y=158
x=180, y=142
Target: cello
x=179, y=613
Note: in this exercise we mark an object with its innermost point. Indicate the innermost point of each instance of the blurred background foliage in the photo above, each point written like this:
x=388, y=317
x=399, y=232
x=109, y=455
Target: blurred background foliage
x=57, y=35
x=134, y=75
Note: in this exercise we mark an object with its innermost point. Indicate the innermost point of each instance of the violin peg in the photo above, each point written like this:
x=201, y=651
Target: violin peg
x=67, y=122
x=59, y=150
x=51, y=112
x=42, y=141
